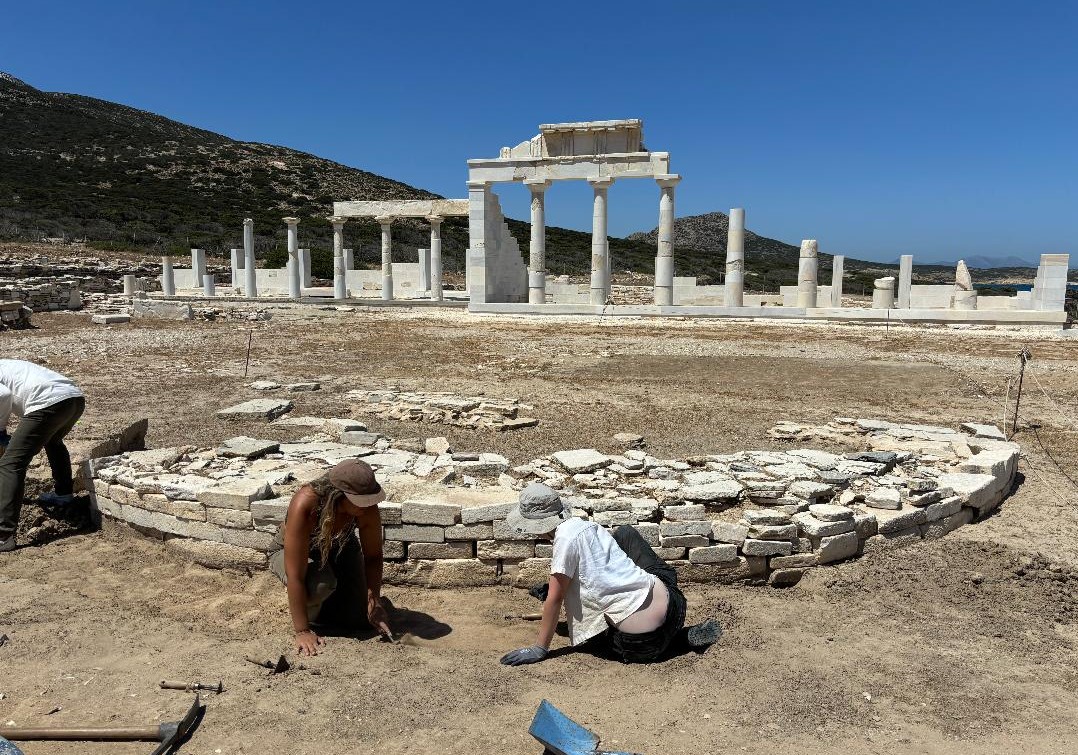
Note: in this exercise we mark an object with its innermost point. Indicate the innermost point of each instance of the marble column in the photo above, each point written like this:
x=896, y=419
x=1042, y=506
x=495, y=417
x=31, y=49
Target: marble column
x=837, y=263
x=209, y=285
x=340, y=276
x=198, y=266
x=537, y=247
x=237, y=265
x=905, y=280
x=600, y=245
x=435, y=257
x=386, y=221
x=250, y=276
x=305, y=267
x=129, y=285
x=168, y=277
x=807, y=268
x=295, y=271
x=424, y=269
x=735, y=259
x=883, y=293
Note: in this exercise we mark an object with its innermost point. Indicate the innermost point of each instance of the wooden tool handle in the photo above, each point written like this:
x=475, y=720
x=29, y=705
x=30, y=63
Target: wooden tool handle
x=121, y=734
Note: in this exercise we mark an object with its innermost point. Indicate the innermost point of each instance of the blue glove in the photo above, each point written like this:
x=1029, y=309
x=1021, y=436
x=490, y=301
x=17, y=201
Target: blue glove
x=534, y=654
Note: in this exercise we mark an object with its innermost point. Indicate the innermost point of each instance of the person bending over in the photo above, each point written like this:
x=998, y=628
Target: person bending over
x=332, y=578
x=616, y=591
x=48, y=406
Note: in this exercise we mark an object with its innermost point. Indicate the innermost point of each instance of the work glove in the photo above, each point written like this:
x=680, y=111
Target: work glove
x=534, y=654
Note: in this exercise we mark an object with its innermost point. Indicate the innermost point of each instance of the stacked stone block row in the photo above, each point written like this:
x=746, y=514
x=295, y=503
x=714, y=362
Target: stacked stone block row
x=749, y=516
x=43, y=295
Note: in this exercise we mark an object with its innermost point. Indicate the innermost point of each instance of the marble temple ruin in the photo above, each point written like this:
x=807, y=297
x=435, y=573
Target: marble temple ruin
x=500, y=278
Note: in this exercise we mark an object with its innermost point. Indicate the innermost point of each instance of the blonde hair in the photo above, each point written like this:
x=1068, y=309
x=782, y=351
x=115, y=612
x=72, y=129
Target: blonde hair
x=331, y=498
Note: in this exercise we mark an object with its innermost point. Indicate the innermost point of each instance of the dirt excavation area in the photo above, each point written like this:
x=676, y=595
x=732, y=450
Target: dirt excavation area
x=964, y=644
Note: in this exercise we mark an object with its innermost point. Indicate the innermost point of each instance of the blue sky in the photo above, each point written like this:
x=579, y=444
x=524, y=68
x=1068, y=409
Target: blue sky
x=941, y=129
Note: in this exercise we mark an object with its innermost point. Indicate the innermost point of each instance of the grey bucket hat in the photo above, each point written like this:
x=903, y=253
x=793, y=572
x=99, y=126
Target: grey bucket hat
x=540, y=510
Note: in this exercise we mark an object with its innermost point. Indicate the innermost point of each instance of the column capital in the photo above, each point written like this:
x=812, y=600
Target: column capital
x=668, y=180
x=248, y=221
x=338, y=220
x=435, y=219
x=385, y=220
x=478, y=184
x=536, y=185
x=291, y=221
x=601, y=182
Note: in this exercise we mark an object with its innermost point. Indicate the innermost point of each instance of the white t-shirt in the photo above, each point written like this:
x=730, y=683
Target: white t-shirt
x=26, y=388
x=604, y=581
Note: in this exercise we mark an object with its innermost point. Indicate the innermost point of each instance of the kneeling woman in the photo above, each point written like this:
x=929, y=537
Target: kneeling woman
x=332, y=578
x=616, y=590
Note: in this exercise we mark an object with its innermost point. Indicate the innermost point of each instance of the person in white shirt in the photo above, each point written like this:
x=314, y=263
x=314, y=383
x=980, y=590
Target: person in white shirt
x=616, y=591
x=48, y=405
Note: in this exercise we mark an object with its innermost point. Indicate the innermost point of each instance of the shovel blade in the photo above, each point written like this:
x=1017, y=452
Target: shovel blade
x=562, y=735
x=7, y=748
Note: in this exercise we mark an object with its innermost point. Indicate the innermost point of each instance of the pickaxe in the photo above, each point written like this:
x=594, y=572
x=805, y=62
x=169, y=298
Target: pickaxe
x=168, y=734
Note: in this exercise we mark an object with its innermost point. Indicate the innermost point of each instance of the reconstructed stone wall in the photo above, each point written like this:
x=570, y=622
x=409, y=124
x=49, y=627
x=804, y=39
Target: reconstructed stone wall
x=754, y=515
x=43, y=295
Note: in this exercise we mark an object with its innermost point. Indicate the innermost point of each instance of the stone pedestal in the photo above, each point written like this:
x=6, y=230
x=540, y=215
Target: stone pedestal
x=735, y=259
x=664, y=252
x=340, y=278
x=837, y=263
x=807, y=268
x=386, y=222
x=435, y=257
x=129, y=285
x=295, y=270
x=905, y=280
x=537, y=246
x=883, y=293
x=168, y=278
x=600, y=244
x=250, y=276
x=209, y=285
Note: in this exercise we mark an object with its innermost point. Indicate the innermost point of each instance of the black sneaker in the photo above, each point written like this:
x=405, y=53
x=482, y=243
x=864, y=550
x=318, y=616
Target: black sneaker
x=6, y=546
x=704, y=634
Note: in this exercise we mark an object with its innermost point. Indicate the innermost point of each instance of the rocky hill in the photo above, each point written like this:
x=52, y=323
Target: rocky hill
x=708, y=233
x=81, y=167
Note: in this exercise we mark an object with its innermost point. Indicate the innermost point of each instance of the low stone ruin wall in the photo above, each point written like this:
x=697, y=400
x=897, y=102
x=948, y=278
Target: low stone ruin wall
x=447, y=408
x=748, y=516
x=43, y=295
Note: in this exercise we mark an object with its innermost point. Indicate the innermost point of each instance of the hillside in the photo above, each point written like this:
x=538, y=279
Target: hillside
x=81, y=167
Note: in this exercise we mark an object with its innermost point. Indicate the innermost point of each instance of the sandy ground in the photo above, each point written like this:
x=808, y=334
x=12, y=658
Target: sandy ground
x=962, y=645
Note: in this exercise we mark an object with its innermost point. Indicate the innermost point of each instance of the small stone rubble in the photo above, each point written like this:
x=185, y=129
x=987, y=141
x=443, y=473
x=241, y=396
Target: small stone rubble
x=14, y=315
x=749, y=516
x=445, y=408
